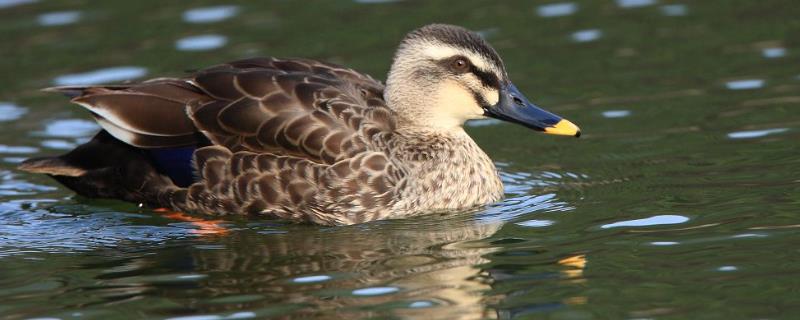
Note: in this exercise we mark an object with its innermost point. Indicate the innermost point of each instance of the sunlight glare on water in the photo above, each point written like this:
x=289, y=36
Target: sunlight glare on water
x=557, y=9
x=104, y=75
x=679, y=200
x=210, y=14
x=201, y=42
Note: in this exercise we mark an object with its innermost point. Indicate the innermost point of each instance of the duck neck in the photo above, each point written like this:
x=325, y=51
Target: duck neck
x=446, y=169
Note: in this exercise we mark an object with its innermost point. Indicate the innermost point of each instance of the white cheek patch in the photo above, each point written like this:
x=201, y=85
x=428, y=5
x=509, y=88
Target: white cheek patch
x=455, y=104
x=489, y=94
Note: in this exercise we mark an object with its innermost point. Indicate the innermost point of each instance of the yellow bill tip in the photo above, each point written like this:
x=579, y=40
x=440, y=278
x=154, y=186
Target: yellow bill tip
x=564, y=128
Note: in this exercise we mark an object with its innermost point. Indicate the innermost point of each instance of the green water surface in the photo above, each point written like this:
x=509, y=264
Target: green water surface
x=680, y=201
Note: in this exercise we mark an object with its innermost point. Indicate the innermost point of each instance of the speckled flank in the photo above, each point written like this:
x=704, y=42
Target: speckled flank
x=294, y=139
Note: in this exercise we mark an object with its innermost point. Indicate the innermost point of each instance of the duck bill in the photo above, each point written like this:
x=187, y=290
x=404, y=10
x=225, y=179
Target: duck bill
x=514, y=107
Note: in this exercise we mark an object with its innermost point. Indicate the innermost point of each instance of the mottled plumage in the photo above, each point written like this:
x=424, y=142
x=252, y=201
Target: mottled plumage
x=293, y=139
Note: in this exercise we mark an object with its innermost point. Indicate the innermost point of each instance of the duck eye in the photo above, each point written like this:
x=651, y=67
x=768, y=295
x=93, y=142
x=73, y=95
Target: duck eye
x=460, y=65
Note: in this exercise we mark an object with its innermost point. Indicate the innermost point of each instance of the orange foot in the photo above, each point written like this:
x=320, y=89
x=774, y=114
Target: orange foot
x=204, y=227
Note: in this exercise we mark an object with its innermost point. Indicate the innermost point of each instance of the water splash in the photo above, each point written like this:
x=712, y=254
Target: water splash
x=100, y=76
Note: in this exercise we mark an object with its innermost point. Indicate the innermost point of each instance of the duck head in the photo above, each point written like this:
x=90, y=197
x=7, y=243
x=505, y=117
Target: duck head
x=444, y=75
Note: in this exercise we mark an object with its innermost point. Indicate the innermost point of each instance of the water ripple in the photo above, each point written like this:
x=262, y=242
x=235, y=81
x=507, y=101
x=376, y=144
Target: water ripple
x=587, y=35
x=375, y=291
x=651, y=221
x=559, y=9
x=70, y=128
x=210, y=14
x=311, y=279
x=100, y=76
x=201, y=42
x=635, y=3
x=17, y=149
x=59, y=18
x=12, y=3
x=772, y=53
x=755, y=133
x=744, y=84
x=616, y=113
x=10, y=111
x=674, y=10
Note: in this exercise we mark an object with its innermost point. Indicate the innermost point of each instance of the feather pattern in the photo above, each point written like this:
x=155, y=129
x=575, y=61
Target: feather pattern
x=293, y=139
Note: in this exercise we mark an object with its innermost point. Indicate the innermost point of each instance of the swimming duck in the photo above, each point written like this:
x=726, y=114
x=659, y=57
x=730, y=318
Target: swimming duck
x=304, y=140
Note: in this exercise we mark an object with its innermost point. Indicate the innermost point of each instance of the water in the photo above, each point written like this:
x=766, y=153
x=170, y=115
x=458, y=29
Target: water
x=680, y=200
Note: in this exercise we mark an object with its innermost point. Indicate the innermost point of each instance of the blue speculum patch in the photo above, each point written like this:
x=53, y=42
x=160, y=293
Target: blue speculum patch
x=175, y=163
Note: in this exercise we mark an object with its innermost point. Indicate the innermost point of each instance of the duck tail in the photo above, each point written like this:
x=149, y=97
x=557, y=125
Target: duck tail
x=105, y=167
x=77, y=91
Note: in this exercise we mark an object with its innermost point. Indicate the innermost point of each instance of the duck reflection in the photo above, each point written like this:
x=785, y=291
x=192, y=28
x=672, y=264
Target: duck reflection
x=426, y=267
x=450, y=266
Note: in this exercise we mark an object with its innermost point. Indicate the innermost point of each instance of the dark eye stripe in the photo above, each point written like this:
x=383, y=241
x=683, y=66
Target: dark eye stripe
x=480, y=100
x=487, y=78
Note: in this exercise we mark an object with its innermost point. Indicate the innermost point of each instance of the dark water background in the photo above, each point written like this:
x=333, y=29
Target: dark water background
x=680, y=201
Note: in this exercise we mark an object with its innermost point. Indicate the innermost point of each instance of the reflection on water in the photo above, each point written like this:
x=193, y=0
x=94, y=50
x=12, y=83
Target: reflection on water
x=727, y=268
x=557, y=9
x=586, y=35
x=10, y=111
x=665, y=208
x=70, y=128
x=664, y=243
x=17, y=149
x=745, y=84
x=651, y=221
x=58, y=144
x=755, y=133
x=375, y=1
x=772, y=53
x=635, y=3
x=616, y=113
x=201, y=42
x=113, y=74
x=674, y=10
x=535, y=223
x=210, y=14
x=58, y=18
x=11, y=3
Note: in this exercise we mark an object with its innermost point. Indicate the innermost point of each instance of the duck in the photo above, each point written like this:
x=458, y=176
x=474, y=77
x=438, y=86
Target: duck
x=303, y=140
